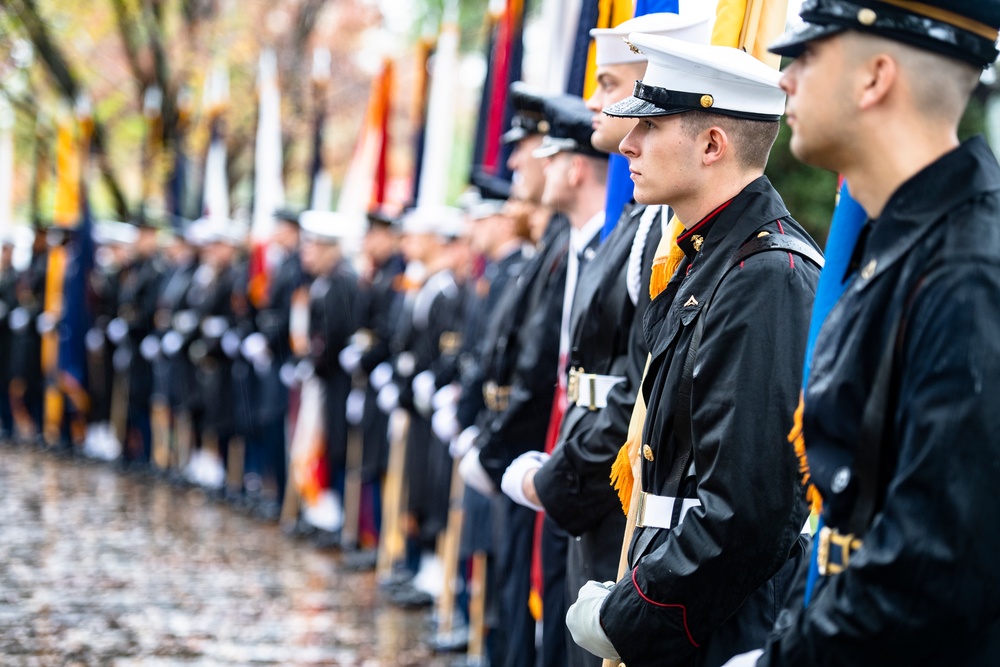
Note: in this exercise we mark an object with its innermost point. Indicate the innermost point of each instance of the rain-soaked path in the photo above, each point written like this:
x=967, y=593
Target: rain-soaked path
x=102, y=568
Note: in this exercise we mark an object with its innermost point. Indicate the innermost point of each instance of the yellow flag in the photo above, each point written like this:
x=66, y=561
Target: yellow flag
x=610, y=14
x=750, y=25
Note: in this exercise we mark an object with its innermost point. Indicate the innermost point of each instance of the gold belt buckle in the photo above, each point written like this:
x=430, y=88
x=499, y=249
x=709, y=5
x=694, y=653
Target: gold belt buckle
x=593, y=392
x=573, y=385
x=847, y=544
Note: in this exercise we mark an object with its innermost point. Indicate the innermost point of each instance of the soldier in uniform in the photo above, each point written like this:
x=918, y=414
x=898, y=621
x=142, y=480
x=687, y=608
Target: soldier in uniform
x=900, y=420
x=607, y=349
x=379, y=305
x=519, y=372
x=8, y=301
x=430, y=329
x=333, y=298
x=140, y=287
x=717, y=529
x=26, y=349
x=266, y=350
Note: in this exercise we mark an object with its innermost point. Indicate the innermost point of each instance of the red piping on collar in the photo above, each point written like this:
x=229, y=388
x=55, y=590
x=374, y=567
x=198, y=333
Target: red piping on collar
x=687, y=234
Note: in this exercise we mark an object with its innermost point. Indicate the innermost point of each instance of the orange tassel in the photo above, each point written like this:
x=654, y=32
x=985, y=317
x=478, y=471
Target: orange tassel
x=798, y=440
x=621, y=477
x=668, y=258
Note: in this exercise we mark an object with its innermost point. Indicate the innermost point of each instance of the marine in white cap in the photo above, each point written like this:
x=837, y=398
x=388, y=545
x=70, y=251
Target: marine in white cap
x=721, y=511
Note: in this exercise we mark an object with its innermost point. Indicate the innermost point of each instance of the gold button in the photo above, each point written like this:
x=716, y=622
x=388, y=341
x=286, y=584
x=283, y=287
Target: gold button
x=707, y=101
x=867, y=16
x=647, y=452
x=869, y=269
x=765, y=233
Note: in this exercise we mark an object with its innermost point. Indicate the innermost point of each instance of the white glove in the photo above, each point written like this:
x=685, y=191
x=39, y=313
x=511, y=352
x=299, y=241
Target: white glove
x=149, y=348
x=254, y=349
x=475, y=476
x=445, y=423
x=19, y=318
x=355, y=406
x=45, y=323
x=388, y=398
x=304, y=370
x=117, y=330
x=424, y=386
x=172, y=343
x=380, y=376
x=513, y=478
x=94, y=340
x=287, y=375
x=461, y=445
x=230, y=343
x=583, y=618
x=446, y=395
x=350, y=358
x=745, y=659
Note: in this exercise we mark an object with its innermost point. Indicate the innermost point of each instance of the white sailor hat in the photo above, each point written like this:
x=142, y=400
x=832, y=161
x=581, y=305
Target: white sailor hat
x=692, y=24
x=331, y=226
x=682, y=76
x=445, y=221
x=112, y=232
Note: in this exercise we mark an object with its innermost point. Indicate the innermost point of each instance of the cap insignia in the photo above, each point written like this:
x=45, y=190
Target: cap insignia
x=632, y=47
x=867, y=16
x=707, y=101
x=543, y=126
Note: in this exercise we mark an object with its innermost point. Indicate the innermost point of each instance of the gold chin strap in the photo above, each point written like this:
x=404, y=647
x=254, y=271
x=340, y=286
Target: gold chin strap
x=945, y=16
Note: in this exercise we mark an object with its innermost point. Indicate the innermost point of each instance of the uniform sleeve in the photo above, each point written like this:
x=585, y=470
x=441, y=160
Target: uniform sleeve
x=575, y=484
x=925, y=586
x=745, y=389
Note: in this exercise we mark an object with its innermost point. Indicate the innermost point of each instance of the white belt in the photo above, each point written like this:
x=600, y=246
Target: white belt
x=589, y=390
x=657, y=511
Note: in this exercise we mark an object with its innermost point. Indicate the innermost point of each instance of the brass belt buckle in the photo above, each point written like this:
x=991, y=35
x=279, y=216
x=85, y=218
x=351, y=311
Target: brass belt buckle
x=847, y=545
x=593, y=392
x=573, y=385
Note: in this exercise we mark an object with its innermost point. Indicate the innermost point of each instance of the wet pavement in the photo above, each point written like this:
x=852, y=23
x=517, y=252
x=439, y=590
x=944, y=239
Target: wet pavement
x=99, y=567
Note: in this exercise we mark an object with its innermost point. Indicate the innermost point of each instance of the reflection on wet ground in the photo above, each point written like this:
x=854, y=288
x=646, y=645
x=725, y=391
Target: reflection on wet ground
x=102, y=568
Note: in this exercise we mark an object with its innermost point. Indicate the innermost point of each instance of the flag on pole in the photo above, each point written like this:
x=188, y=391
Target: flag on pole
x=215, y=192
x=440, y=133
x=268, y=190
x=365, y=185
x=177, y=181
x=504, y=55
x=581, y=78
x=320, y=183
x=421, y=86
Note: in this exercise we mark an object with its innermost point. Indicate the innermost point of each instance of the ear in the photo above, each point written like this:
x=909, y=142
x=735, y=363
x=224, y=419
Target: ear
x=715, y=143
x=879, y=77
x=577, y=169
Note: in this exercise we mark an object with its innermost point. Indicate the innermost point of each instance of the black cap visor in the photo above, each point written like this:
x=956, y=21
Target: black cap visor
x=793, y=42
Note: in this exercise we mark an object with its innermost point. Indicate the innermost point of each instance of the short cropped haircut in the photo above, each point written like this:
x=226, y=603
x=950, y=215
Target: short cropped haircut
x=751, y=139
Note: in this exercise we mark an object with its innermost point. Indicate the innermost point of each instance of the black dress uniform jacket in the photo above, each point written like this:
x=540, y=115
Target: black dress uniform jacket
x=574, y=484
x=332, y=311
x=526, y=357
x=703, y=591
x=924, y=588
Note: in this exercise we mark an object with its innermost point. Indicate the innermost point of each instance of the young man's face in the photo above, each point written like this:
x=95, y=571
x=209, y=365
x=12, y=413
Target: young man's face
x=528, y=180
x=558, y=186
x=819, y=108
x=614, y=84
x=663, y=160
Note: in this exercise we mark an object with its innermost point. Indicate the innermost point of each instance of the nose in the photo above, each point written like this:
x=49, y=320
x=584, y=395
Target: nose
x=594, y=101
x=787, y=81
x=629, y=146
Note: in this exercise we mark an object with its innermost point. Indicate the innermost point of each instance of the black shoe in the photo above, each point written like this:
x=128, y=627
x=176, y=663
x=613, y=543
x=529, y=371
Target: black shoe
x=409, y=597
x=451, y=642
x=360, y=561
x=326, y=539
x=267, y=510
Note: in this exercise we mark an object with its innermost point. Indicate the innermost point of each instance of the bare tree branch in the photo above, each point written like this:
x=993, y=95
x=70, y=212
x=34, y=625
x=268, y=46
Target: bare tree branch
x=66, y=82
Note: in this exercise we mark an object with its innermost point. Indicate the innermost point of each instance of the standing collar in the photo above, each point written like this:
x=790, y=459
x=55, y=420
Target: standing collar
x=968, y=171
x=692, y=239
x=581, y=238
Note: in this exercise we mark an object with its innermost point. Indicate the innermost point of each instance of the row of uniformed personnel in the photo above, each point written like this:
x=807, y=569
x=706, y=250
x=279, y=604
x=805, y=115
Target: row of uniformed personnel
x=523, y=365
